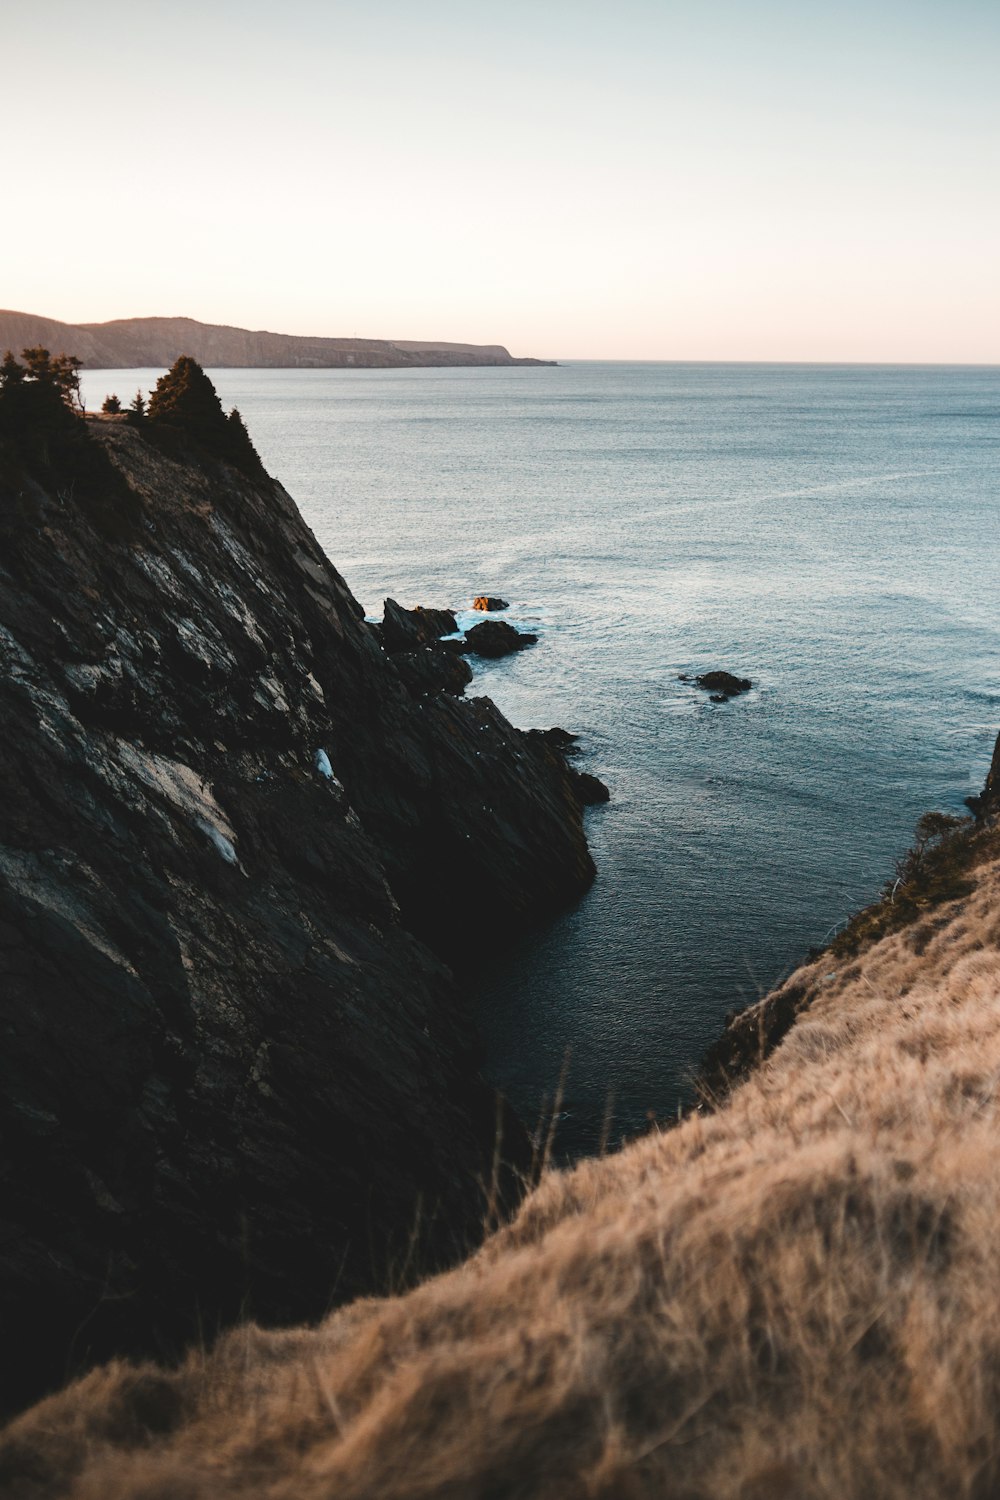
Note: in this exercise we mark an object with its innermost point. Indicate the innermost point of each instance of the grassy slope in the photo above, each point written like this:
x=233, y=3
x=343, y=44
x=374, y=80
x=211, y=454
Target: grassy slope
x=797, y=1295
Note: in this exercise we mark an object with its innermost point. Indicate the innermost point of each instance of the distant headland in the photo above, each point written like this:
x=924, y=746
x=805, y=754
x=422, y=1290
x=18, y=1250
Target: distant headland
x=152, y=343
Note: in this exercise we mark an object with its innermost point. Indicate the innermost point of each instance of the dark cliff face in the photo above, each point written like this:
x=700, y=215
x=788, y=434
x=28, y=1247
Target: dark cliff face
x=236, y=853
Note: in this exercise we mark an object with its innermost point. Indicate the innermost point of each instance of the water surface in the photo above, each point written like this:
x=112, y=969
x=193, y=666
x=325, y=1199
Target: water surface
x=827, y=531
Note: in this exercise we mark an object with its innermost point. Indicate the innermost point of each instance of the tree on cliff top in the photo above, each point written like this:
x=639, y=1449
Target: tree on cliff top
x=45, y=447
x=42, y=388
x=61, y=372
x=187, y=400
x=38, y=398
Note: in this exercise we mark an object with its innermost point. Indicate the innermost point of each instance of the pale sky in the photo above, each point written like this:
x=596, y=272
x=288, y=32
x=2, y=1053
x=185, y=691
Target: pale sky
x=771, y=179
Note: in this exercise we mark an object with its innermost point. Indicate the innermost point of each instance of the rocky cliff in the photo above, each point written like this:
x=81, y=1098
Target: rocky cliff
x=237, y=854
x=154, y=343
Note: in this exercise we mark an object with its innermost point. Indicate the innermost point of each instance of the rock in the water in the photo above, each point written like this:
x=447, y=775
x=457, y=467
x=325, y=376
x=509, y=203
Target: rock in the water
x=497, y=638
x=488, y=602
x=723, y=685
x=409, y=629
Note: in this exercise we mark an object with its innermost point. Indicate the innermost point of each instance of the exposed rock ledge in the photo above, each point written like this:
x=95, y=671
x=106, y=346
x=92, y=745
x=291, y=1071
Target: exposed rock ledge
x=795, y=1295
x=235, y=853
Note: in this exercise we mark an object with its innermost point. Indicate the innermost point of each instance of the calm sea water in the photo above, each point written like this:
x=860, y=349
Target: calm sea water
x=829, y=532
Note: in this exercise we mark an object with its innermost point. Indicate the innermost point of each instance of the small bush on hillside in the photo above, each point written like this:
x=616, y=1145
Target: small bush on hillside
x=111, y=405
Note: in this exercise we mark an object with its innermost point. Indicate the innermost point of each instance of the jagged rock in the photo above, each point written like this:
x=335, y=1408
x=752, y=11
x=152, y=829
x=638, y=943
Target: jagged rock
x=988, y=804
x=562, y=739
x=433, y=670
x=234, y=1062
x=559, y=740
x=723, y=685
x=409, y=629
x=589, y=789
x=497, y=638
x=488, y=602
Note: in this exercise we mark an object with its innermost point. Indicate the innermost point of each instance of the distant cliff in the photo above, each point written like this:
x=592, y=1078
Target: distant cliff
x=237, y=851
x=154, y=343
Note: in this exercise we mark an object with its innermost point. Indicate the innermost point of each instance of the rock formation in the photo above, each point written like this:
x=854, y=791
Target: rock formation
x=496, y=638
x=154, y=343
x=408, y=629
x=721, y=685
x=236, y=856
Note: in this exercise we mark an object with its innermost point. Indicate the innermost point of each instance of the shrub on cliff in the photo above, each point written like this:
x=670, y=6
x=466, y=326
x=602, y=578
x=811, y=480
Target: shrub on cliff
x=59, y=373
x=37, y=396
x=186, y=400
x=45, y=447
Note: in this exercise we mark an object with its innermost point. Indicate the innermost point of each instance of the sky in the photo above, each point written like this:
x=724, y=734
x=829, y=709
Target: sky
x=763, y=180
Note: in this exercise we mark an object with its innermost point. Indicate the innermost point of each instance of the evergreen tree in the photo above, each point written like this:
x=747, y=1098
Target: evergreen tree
x=35, y=396
x=60, y=372
x=44, y=439
x=242, y=452
x=187, y=400
x=111, y=404
x=11, y=373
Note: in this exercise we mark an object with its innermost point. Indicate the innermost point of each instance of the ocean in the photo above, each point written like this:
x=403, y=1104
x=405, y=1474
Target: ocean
x=827, y=531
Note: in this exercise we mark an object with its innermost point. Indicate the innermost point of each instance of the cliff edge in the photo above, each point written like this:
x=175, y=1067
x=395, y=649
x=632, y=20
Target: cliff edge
x=237, y=855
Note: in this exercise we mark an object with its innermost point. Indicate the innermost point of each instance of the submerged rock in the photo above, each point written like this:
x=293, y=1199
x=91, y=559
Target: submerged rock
x=722, y=685
x=497, y=638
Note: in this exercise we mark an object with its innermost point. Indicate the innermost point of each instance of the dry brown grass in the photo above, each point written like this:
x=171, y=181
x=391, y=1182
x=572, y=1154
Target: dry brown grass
x=796, y=1296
